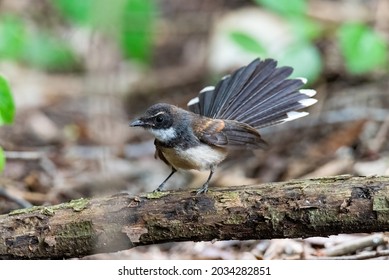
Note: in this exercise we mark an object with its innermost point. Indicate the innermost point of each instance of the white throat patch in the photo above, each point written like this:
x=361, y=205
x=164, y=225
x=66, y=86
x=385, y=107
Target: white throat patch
x=164, y=135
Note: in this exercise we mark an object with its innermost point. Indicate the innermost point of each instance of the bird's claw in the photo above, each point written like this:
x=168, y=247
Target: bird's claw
x=203, y=189
x=159, y=189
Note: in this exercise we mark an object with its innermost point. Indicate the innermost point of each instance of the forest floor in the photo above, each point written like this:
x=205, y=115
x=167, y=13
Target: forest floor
x=71, y=138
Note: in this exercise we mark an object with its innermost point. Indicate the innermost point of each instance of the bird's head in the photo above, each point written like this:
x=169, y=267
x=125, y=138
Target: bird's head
x=161, y=120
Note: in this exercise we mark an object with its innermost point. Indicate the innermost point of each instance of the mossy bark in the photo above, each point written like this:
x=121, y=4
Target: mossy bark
x=294, y=209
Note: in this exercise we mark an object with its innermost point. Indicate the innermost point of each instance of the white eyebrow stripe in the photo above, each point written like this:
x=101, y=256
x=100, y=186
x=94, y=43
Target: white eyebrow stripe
x=157, y=114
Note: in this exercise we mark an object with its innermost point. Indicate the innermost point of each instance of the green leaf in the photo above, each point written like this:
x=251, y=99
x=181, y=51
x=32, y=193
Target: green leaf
x=136, y=29
x=305, y=28
x=7, y=105
x=79, y=11
x=2, y=159
x=362, y=48
x=303, y=56
x=48, y=52
x=247, y=43
x=12, y=37
x=100, y=14
x=305, y=59
x=285, y=7
x=129, y=22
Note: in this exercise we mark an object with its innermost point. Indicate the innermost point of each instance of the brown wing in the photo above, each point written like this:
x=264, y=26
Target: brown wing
x=243, y=135
x=229, y=134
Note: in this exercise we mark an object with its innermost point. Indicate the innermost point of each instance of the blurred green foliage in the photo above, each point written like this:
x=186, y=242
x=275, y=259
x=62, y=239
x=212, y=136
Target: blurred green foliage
x=7, y=111
x=285, y=7
x=361, y=47
x=78, y=12
x=7, y=106
x=2, y=159
x=129, y=22
x=305, y=58
x=48, y=52
x=12, y=37
x=34, y=47
x=137, y=29
x=247, y=42
x=301, y=54
x=305, y=28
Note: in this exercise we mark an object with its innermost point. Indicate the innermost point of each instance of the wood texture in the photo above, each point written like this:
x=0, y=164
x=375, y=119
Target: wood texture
x=294, y=209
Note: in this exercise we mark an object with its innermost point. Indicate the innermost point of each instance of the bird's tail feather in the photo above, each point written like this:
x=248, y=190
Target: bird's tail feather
x=259, y=94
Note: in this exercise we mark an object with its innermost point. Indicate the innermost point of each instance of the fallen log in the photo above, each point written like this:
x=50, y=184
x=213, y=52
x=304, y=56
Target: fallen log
x=294, y=209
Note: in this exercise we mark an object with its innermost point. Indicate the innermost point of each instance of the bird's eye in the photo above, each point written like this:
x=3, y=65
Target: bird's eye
x=159, y=119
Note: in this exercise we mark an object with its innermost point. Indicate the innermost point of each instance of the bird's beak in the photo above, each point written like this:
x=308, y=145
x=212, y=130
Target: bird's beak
x=137, y=122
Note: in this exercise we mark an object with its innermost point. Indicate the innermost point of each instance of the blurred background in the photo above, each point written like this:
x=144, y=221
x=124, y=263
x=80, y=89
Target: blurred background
x=74, y=73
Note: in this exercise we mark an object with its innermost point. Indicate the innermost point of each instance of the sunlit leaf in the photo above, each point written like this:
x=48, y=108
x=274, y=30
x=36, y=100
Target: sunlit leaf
x=12, y=37
x=7, y=105
x=362, y=48
x=285, y=7
x=246, y=42
x=129, y=22
x=137, y=29
x=79, y=11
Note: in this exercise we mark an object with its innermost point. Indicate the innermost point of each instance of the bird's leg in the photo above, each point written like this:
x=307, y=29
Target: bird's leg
x=162, y=185
x=204, y=188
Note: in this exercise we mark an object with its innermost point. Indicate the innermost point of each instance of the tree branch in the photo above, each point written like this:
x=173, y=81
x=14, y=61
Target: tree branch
x=294, y=209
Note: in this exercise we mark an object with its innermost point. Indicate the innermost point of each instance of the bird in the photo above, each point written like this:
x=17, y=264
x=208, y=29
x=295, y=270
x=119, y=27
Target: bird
x=225, y=117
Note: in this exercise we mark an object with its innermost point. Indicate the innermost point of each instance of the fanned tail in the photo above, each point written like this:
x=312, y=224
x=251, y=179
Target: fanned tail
x=259, y=94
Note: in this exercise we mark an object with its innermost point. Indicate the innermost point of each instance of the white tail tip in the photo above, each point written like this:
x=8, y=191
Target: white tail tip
x=304, y=80
x=308, y=92
x=208, y=88
x=193, y=101
x=308, y=102
x=292, y=115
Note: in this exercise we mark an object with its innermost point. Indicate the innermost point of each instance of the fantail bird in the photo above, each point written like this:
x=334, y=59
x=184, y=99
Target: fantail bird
x=225, y=117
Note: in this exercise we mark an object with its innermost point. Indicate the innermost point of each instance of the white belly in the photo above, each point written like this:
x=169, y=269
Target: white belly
x=200, y=157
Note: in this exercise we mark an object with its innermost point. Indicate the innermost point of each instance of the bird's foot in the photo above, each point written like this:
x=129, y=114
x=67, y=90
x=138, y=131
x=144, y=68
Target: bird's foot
x=203, y=189
x=160, y=188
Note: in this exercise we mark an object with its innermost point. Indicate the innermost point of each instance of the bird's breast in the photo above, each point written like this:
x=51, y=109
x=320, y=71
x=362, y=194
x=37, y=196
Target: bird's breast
x=200, y=157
